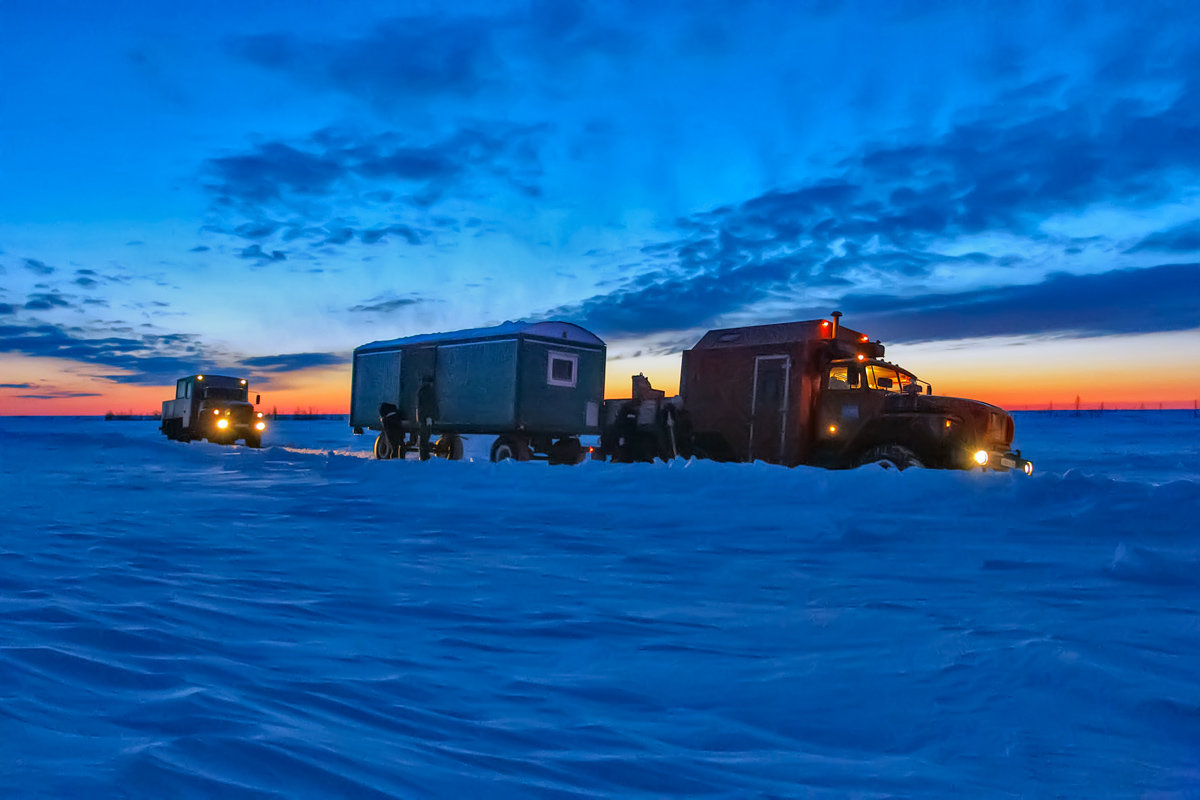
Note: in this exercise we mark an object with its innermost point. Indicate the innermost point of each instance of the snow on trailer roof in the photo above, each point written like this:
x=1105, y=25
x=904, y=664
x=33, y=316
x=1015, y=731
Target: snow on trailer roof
x=550, y=329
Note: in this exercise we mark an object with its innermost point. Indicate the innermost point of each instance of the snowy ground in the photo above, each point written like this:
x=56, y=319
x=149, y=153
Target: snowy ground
x=194, y=620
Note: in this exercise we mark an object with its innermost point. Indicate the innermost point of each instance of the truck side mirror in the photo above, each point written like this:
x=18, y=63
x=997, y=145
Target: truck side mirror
x=257, y=399
x=852, y=377
x=884, y=383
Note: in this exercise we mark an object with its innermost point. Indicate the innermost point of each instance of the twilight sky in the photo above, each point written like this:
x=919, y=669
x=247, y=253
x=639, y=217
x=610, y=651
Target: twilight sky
x=1007, y=194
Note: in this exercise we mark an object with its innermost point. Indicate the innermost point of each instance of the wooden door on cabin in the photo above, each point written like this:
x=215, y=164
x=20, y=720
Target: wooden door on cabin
x=769, y=406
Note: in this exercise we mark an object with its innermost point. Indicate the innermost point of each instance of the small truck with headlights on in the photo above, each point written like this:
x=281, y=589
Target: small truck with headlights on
x=213, y=407
x=811, y=392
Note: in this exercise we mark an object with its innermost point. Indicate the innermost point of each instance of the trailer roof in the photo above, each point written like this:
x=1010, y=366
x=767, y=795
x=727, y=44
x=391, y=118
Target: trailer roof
x=549, y=329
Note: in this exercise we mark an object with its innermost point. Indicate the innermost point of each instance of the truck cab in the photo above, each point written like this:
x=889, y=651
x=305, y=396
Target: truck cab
x=213, y=407
x=870, y=410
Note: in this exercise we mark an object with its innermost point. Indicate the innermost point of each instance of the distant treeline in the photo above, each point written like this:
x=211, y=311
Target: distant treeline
x=269, y=415
x=1092, y=409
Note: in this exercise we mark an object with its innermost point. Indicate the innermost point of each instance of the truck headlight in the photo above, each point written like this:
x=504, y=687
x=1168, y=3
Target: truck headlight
x=222, y=423
x=1027, y=467
x=981, y=457
x=260, y=426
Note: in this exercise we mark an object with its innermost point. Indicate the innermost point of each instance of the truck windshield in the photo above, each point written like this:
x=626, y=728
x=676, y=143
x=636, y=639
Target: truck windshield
x=882, y=377
x=218, y=393
x=891, y=379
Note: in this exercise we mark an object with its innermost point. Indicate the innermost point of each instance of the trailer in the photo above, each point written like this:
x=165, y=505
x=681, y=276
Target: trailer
x=536, y=386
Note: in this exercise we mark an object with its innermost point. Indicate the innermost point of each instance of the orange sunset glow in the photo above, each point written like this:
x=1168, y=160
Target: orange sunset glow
x=1146, y=371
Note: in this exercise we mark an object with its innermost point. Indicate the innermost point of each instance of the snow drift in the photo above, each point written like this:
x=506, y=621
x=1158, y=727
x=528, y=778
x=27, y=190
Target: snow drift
x=196, y=620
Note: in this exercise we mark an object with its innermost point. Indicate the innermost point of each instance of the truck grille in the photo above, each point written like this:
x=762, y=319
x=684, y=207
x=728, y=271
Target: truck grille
x=241, y=415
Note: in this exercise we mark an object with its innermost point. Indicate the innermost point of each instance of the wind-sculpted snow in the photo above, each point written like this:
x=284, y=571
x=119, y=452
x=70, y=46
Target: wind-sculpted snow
x=201, y=621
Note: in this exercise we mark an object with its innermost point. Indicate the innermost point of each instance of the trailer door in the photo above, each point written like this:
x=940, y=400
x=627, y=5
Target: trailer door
x=769, y=403
x=376, y=380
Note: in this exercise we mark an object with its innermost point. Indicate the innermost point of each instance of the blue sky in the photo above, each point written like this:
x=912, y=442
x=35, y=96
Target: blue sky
x=263, y=189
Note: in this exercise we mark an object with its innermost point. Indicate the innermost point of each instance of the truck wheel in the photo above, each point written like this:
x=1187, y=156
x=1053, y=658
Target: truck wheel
x=889, y=455
x=510, y=447
x=253, y=441
x=449, y=446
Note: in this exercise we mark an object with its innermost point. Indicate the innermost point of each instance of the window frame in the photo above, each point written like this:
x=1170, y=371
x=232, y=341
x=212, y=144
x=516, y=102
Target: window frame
x=572, y=358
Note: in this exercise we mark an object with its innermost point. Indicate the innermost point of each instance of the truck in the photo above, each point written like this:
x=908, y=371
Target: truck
x=213, y=407
x=812, y=392
x=535, y=386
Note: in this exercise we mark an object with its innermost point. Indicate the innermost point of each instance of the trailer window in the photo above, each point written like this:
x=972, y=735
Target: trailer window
x=562, y=369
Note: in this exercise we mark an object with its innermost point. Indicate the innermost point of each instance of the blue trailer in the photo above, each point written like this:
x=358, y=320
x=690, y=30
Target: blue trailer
x=536, y=386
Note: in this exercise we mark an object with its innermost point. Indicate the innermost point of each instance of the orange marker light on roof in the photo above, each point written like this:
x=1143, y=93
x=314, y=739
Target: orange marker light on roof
x=865, y=338
x=861, y=357
x=824, y=323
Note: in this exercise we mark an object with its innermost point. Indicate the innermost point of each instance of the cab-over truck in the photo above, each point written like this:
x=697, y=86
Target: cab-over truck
x=213, y=407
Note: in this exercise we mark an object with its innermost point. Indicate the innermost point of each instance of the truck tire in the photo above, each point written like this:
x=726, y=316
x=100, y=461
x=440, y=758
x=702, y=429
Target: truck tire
x=254, y=441
x=889, y=455
x=510, y=447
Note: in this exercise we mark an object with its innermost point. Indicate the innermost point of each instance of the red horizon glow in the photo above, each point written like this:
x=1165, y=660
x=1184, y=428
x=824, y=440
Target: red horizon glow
x=1141, y=371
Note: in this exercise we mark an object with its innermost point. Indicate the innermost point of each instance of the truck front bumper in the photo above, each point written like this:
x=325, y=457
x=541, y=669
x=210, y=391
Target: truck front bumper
x=1002, y=461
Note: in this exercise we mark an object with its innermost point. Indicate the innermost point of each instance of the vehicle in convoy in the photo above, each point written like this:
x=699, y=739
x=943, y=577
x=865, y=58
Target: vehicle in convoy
x=536, y=386
x=812, y=392
x=213, y=407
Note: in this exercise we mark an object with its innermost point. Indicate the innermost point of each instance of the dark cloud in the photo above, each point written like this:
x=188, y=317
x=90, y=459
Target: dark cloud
x=408, y=234
x=44, y=301
x=7, y=308
x=1180, y=239
x=148, y=359
x=55, y=394
x=200, y=248
x=39, y=267
x=424, y=58
x=386, y=303
x=294, y=362
x=16, y=385
x=255, y=253
x=1125, y=301
x=364, y=169
x=270, y=172
x=400, y=58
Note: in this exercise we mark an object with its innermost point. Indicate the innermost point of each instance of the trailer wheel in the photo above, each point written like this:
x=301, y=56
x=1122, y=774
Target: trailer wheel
x=566, y=451
x=889, y=455
x=510, y=447
x=382, y=448
x=449, y=446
